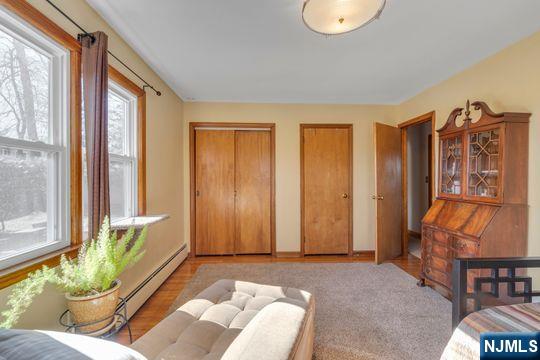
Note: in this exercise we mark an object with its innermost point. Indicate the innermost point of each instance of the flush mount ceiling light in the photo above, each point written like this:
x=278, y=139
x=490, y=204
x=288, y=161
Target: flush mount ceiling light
x=333, y=17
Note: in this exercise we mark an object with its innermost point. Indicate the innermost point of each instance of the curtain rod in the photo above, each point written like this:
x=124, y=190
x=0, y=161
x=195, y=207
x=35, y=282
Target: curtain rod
x=86, y=33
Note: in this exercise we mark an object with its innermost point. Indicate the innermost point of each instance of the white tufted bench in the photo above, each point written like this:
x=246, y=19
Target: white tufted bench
x=236, y=320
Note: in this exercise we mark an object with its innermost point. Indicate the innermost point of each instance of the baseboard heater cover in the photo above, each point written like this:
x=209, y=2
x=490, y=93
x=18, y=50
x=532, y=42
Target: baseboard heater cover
x=145, y=289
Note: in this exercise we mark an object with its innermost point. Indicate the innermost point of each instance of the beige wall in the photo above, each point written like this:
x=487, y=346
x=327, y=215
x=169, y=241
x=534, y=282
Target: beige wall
x=288, y=119
x=164, y=161
x=507, y=81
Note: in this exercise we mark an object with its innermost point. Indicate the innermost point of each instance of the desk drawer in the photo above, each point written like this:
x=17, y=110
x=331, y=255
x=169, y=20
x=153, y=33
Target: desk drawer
x=466, y=248
x=438, y=277
x=437, y=263
x=441, y=251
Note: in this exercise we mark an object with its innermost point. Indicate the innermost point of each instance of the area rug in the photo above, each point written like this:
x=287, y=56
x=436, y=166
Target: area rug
x=363, y=311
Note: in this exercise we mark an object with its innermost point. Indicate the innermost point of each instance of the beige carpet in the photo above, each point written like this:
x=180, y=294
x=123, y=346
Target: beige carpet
x=363, y=311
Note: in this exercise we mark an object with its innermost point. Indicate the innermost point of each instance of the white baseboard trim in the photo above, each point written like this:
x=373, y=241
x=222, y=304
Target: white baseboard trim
x=141, y=293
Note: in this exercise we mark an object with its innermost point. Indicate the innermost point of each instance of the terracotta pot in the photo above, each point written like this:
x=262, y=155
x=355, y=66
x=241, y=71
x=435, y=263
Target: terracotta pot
x=87, y=309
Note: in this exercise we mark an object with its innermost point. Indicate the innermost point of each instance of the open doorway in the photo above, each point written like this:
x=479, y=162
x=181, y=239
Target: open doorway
x=392, y=185
x=418, y=182
x=417, y=179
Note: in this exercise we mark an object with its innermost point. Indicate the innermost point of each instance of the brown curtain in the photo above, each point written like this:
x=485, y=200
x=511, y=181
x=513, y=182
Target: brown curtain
x=95, y=73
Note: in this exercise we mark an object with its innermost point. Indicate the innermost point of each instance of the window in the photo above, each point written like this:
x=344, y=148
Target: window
x=122, y=155
x=122, y=152
x=40, y=143
x=34, y=157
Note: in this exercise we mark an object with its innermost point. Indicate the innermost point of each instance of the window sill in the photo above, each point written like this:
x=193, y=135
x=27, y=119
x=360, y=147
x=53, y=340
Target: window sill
x=19, y=272
x=138, y=222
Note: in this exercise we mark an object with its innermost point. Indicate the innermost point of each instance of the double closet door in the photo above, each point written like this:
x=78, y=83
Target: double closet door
x=233, y=191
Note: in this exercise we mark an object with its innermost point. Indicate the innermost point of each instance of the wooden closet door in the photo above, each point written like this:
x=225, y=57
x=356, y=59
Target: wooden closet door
x=326, y=190
x=214, y=192
x=253, y=192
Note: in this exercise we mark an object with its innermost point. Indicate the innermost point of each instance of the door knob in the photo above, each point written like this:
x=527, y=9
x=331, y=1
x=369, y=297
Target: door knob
x=377, y=197
x=344, y=195
x=197, y=193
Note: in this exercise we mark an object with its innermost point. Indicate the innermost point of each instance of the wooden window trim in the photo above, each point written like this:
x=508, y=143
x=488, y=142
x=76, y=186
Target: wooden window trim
x=19, y=272
x=130, y=86
x=34, y=17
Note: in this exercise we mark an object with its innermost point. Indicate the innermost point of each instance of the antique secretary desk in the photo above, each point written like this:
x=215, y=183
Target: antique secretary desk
x=481, y=208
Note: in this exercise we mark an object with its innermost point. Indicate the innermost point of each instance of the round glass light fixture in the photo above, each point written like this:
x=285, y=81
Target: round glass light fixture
x=333, y=17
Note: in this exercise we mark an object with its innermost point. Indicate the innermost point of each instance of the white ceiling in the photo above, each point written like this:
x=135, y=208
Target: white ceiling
x=260, y=51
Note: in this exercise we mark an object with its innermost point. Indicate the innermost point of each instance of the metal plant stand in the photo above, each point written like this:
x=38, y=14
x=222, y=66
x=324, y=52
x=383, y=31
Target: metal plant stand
x=117, y=322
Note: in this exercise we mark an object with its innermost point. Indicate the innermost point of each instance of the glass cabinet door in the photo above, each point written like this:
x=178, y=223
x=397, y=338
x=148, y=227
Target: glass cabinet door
x=483, y=163
x=451, y=159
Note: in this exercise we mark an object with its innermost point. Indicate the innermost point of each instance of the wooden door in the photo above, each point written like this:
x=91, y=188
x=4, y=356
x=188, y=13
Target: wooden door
x=326, y=189
x=388, y=192
x=214, y=192
x=253, y=192
x=430, y=169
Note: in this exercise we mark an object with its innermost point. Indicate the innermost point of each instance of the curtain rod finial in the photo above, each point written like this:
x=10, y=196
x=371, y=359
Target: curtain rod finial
x=158, y=93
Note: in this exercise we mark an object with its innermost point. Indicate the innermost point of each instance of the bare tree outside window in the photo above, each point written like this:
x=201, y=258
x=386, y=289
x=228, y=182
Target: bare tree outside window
x=24, y=91
x=25, y=94
x=122, y=158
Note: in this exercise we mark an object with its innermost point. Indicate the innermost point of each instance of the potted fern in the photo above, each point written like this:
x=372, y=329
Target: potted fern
x=89, y=281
